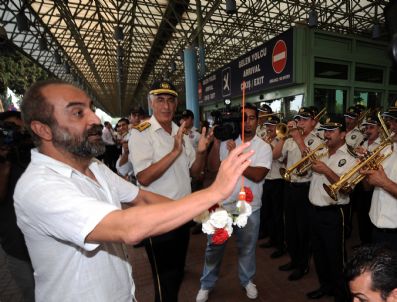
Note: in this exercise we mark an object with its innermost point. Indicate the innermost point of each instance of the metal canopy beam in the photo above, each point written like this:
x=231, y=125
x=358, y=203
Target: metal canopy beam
x=155, y=34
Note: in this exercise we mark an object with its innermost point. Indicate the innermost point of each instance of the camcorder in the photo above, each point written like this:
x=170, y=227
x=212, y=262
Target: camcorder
x=228, y=124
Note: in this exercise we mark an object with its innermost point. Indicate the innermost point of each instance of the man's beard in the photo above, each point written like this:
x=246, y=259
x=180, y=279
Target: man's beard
x=79, y=146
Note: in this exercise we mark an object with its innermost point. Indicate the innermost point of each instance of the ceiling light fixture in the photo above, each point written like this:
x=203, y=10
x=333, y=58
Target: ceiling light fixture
x=313, y=18
x=118, y=33
x=22, y=21
x=57, y=57
x=67, y=68
x=376, y=31
x=231, y=7
x=43, y=43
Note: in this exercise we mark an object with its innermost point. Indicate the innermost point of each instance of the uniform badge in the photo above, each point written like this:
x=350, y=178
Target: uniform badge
x=142, y=126
x=353, y=136
x=342, y=162
x=310, y=141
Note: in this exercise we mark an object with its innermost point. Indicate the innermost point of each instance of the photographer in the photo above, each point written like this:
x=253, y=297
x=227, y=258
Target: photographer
x=15, y=148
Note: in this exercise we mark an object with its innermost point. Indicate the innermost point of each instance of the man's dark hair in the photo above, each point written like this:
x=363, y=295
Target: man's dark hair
x=35, y=108
x=252, y=107
x=380, y=262
x=123, y=119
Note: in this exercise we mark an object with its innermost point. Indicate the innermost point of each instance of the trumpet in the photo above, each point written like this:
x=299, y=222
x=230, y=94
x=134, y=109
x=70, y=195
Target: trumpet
x=303, y=165
x=348, y=180
x=282, y=131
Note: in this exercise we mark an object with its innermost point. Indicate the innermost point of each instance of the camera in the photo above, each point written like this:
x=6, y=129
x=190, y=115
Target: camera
x=15, y=143
x=10, y=134
x=228, y=124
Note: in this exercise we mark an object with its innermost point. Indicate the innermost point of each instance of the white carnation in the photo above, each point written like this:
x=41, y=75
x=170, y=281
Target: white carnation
x=229, y=226
x=207, y=228
x=241, y=220
x=219, y=218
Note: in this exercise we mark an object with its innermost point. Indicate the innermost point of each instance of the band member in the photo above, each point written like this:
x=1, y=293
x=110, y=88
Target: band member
x=264, y=113
x=354, y=136
x=354, y=139
x=272, y=212
x=364, y=194
x=296, y=202
x=326, y=215
x=383, y=211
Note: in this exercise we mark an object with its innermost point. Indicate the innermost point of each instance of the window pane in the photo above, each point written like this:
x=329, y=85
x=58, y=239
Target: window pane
x=371, y=75
x=369, y=99
x=334, y=100
x=289, y=106
x=330, y=70
x=393, y=77
x=392, y=99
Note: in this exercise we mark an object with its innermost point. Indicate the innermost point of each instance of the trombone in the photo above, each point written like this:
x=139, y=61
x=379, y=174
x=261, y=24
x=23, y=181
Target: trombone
x=348, y=180
x=303, y=165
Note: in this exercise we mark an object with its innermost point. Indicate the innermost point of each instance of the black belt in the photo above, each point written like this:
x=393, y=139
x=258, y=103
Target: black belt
x=331, y=207
x=390, y=231
x=299, y=184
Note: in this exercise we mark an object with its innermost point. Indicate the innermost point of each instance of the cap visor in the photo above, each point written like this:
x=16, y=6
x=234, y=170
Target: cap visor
x=301, y=116
x=163, y=91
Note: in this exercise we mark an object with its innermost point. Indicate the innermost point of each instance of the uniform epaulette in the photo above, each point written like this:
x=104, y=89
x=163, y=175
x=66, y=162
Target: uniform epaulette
x=142, y=126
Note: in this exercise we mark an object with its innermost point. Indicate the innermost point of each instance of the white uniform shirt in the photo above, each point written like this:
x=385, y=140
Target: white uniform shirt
x=274, y=172
x=261, y=158
x=293, y=154
x=151, y=145
x=57, y=207
x=354, y=138
x=373, y=146
x=383, y=211
x=340, y=162
x=107, y=136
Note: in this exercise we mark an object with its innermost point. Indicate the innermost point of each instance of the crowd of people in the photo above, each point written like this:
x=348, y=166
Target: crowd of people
x=87, y=190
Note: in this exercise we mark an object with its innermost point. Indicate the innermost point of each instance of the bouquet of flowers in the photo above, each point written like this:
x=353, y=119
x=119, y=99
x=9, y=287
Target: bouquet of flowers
x=218, y=222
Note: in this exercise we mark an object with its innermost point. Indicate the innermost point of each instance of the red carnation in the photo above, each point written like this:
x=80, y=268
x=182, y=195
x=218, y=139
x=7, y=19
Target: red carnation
x=213, y=208
x=220, y=236
x=249, y=197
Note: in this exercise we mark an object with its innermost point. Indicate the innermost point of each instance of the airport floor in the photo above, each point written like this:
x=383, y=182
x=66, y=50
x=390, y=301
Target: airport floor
x=272, y=284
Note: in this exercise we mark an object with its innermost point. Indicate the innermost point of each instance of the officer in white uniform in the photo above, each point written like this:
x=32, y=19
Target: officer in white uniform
x=296, y=201
x=261, y=129
x=383, y=212
x=354, y=139
x=364, y=194
x=272, y=211
x=354, y=136
x=326, y=214
x=164, y=160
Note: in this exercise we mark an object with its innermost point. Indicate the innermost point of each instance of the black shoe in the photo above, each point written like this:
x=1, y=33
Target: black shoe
x=266, y=245
x=286, y=267
x=298, y=274
x=277, y=254
x=316, y=294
